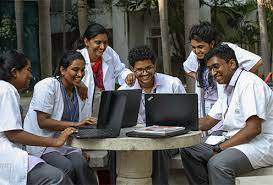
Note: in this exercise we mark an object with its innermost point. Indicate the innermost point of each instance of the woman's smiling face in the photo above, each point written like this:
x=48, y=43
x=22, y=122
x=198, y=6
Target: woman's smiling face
x=74, y=73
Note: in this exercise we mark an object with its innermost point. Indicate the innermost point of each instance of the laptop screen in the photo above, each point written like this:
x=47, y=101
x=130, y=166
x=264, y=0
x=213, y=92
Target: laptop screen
x=132, y=106
x=172, y=110
x=111, y=112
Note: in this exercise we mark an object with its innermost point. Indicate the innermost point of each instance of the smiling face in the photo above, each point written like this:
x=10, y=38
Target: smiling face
x=200, y=48
x=144, y=71
x=221, y=70
x=73, y=74
x=21, y=78
x=97, y=45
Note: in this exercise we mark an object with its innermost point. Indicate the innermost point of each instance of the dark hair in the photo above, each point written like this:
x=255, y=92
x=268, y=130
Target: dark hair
x=205, y=32
x=67, y=60
x=9, y=60
x=141, y=53
x=222, y=51
x=91, y=31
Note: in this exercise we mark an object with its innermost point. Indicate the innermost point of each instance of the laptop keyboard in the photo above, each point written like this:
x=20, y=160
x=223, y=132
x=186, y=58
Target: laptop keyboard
x=96, y=133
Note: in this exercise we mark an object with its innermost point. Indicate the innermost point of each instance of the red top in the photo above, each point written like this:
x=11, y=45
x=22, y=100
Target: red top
x=98, y=73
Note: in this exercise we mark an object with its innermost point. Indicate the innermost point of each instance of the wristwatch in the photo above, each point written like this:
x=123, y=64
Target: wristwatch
x=217, y=148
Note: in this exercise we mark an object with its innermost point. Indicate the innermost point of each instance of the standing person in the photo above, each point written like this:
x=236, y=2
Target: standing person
x=246, y=109
x=56, y=106
x=142, y=60
x=16, y=165
x=103, y=65
x=203, y=38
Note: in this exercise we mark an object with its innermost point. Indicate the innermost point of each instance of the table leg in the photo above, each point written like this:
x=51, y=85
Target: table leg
x=134, y=167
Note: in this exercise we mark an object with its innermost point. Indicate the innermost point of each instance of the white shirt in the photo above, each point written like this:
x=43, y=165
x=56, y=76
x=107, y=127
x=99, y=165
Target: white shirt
x=245, y=59
x=14, y=162
x=112, y=68
x=162, y=84
x=47, y=98
x=251, y=96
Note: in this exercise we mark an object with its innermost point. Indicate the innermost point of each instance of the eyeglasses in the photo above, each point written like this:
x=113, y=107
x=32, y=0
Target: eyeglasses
x=148, y=69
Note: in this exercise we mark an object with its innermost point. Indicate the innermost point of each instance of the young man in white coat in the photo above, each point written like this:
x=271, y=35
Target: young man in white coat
x=246, y=109
x=142, y=60
x=203, y=38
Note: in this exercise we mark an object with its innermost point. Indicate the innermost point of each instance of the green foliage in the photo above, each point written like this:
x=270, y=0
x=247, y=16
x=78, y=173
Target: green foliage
x=7, y=33
x=232, y=19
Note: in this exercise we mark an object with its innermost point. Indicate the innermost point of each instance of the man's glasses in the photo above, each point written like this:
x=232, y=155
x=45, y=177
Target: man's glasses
x=148, y=69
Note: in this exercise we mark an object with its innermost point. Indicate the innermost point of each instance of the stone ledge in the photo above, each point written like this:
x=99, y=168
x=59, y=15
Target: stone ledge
x=257, y=180
x=260, y=172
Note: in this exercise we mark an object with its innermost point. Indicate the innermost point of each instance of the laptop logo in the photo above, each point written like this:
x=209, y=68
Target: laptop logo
x=150, y=98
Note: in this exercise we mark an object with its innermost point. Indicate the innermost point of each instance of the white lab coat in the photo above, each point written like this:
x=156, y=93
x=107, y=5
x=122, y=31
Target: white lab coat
x=163, y=84
x=13, y=160
x=112, y=69
x=47, y=97
x=245, y=59
x=251, y=96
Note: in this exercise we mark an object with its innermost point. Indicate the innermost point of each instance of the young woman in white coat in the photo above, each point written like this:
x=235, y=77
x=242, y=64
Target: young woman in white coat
x=56, y=106
x=103, y=65
x=16, y=165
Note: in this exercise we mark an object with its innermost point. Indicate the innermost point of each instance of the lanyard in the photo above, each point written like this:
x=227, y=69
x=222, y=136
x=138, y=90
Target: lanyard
x=228, y=104
x=71, y=105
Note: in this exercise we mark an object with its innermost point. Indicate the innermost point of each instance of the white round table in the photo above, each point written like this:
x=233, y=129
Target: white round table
x=134, y=155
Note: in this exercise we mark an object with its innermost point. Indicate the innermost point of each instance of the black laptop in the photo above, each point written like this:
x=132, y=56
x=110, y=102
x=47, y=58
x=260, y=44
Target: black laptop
x=177, y=110
x=111, y=112
x=132, y=107
x=172, y=110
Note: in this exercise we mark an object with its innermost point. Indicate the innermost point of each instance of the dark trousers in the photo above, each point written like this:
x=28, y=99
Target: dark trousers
x=203, y=168
x=45, y=174
x=74, y=165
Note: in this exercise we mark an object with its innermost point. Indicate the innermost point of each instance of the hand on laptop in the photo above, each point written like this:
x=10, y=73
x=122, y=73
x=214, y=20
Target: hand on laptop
x=87, y=121
x=59, y=141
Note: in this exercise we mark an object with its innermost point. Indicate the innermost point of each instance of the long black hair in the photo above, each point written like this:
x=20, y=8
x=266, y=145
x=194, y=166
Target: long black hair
x=207, y=33
x=67, y=60
x=9, y=60
x=91, y=31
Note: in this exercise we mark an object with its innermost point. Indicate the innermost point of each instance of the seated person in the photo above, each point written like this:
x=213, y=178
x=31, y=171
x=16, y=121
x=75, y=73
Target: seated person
x=246, y=109
x=56, y=106
x=203, y=38
x=142, y=60
x=17, y=166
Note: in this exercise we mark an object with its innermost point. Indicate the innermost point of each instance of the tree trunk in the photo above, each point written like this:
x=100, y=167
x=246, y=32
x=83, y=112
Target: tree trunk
x=191, y=17
x=82, y=16
x=263, y=36
x=19, y=16
x=64, y=24
x=45, y=38
x=163, y=14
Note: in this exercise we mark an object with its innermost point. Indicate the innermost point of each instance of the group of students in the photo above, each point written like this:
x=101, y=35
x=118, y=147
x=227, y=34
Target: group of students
x=239, y=98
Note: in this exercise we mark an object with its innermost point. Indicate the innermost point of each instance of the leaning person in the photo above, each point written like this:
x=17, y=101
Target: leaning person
x=203, y=38
x=246, y=109
x=142, y=60
x=103, y=65
x=16, y=165
x=56, y=106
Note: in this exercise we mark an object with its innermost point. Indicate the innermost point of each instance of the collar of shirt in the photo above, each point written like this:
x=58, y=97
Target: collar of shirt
x=229, y=88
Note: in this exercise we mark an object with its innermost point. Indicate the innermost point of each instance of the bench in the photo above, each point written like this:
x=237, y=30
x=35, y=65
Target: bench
x=260, y=176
